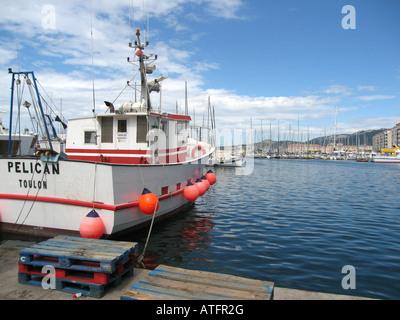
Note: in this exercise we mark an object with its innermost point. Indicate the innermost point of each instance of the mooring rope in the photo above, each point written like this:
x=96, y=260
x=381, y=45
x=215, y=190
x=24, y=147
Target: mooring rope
x=141, y=257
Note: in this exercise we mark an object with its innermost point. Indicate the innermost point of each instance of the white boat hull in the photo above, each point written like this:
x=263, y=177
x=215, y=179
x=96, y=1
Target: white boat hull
x=386, y=159
x=231, y=162
x=46, y=198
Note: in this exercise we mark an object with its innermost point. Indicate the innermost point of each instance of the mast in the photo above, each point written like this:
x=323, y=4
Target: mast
x=208, y=120
x=146, y=67
x=278, y=137
x=144, y=89
x=334, y=134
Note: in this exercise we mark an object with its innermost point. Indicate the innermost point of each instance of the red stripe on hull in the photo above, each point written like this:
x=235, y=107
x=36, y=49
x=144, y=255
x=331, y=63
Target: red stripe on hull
x=178, y=158
x=119, y=151
x=116, y=160
x=81, y=203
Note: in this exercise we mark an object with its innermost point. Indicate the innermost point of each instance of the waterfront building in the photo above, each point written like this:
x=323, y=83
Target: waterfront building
x=304, y=148
x=382, y=140
x=396, y=134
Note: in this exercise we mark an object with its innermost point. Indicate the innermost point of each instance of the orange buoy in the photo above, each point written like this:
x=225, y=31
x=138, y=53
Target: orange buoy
x=92, y=226
x=201, y=186
x=211, y=177
x=205, y=181
x=148, y=202
x=191, y=193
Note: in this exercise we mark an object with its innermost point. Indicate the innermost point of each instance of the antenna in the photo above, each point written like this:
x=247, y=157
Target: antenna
x=91, y=36
x=19, y=63
x=131, y=12
x=186, y=100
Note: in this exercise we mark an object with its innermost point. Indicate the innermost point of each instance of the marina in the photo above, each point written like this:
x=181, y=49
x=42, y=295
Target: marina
x=131, y=189
x=297, y=233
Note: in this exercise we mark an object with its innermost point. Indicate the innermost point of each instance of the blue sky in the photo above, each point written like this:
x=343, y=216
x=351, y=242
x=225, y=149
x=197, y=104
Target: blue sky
x=268, y=61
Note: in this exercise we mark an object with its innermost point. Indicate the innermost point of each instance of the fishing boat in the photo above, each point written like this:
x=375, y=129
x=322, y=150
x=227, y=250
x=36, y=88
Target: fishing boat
x=105, y=169
x=388, y=155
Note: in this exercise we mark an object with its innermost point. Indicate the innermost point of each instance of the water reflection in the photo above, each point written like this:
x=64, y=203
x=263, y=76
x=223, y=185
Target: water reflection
x=173, y=240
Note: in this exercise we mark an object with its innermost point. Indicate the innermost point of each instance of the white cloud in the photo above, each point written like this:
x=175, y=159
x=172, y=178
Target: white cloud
x=338, y=89
x=376, y=97
x=225, y=8
x=368, y=88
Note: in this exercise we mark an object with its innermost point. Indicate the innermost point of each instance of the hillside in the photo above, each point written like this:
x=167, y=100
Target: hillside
x=358, y=138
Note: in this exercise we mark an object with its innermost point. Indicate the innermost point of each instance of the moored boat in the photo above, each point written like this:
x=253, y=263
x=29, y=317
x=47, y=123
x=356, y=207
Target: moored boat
x=105, y=163
x=388, y=155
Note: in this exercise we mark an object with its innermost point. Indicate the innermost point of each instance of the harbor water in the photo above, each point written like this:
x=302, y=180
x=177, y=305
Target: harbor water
x=296, y=223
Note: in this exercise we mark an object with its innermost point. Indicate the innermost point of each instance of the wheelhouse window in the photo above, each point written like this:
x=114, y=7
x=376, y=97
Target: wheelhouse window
x=90, y=137
x=141, y=129
x=180, y=127
x=122, y=126
x=107, y=130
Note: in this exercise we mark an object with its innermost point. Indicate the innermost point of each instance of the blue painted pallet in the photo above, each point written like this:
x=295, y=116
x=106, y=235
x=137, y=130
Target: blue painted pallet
x=80, y=254
x=166, y=282
x=86, y=289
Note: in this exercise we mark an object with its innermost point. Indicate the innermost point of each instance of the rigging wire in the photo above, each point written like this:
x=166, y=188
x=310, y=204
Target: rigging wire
x=33, y=202
x=26, y=197
x=94, y=183
x=51, y=100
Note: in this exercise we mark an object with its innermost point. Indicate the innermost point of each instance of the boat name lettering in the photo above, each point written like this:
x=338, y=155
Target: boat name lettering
x=22, y=167
x=33, y=184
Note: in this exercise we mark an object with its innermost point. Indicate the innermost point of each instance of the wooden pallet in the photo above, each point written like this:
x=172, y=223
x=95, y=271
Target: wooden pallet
x=170, y=283
x=85, y=266
x=80, y=254
x=70, y=286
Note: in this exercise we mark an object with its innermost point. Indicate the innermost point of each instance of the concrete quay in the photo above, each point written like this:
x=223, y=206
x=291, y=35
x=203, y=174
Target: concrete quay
x=10, y=289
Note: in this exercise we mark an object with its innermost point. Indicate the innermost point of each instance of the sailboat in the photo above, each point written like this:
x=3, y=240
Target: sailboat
x=111, y=167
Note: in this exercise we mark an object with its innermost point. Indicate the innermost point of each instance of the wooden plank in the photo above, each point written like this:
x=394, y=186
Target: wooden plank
x=224, y=283
x=146, y=295
x=86, y=246
x=212, y=275
x=79, y=254
x=83, y=253
x=207, y=289
x=150, y=289
x=121, y=244
x=178, y=283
